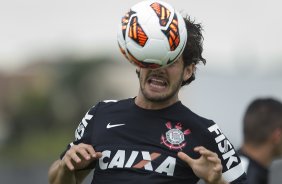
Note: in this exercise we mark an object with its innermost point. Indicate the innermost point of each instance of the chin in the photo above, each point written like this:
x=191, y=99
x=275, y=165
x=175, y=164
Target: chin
x=158, y=98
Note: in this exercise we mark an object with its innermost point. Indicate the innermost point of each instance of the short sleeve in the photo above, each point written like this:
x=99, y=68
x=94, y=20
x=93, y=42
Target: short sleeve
x=232, y=171
x=83, y=131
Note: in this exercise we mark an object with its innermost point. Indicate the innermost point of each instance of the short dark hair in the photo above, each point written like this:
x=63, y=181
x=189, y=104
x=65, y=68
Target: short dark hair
x=261, y=118
x=194, y=46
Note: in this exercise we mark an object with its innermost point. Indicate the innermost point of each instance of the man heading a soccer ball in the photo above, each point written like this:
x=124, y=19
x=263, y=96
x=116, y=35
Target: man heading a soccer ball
x=151, y=138
x=152, y=34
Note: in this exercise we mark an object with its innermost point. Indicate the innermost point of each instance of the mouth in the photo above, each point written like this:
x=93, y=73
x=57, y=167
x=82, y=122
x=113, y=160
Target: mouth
x=157, y=83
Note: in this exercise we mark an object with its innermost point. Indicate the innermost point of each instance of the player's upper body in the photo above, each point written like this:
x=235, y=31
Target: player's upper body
x=152, y=138
x=141, y=146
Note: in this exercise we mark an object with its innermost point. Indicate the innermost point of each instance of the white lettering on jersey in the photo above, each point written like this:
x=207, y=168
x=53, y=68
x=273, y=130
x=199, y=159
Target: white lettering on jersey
x=131, y=159
x=167, y=166
x=119, y=160
x=105, y=154
x=146, y=156
x=224, y=146
x=79, y=132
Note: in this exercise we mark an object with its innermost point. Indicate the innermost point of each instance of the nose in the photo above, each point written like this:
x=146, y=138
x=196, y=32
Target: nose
x=159, y=71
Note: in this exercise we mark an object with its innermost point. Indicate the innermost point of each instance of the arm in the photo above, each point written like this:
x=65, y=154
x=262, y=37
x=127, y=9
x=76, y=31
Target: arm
x=68, y=170
x=208, y=167
x=59, y=173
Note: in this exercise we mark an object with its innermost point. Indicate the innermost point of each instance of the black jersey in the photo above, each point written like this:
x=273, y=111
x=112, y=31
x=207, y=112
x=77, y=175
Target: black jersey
x=140, y=146
x=257, y=173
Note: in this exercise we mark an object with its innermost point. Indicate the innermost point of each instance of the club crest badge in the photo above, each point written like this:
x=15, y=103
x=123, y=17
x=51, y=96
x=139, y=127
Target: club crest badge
x=174, y=138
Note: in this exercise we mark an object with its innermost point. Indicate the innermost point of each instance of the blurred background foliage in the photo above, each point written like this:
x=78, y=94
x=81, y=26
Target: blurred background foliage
x=42, y=104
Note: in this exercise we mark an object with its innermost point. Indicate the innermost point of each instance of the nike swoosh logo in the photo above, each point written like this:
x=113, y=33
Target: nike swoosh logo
x=115, y=125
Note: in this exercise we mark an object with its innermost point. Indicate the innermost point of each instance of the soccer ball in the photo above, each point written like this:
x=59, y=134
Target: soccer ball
x=152, y=34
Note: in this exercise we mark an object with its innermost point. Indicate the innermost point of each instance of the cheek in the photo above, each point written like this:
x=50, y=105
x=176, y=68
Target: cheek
x=142, y=76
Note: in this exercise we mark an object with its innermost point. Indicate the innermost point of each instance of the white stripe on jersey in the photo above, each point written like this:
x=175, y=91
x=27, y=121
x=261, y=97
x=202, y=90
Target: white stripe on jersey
x=106, y=101
x=233, y=173
x=245, y=163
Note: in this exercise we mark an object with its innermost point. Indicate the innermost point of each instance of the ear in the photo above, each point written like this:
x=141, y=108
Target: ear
x=276, y=136
x=188, y=71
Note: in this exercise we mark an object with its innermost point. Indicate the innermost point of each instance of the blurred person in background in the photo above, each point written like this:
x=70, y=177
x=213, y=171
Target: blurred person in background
x=153, y=137
x=262, y=129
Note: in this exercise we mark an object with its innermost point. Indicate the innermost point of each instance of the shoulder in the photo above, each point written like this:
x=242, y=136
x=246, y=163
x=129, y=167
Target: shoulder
x=208, y=134
x=194, y=118
x=204, y=130
x=110, y=104
x=250, y=165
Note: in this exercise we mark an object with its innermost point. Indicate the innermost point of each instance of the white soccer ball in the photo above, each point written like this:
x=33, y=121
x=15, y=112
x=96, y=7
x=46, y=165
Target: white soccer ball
x=152, y=34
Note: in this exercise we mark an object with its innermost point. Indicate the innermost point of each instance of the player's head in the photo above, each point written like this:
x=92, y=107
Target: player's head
x=262, y=123
x=192, y=53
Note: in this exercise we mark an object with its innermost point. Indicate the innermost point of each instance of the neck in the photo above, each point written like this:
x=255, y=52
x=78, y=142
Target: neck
x=262, y=154
x=145, y=103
